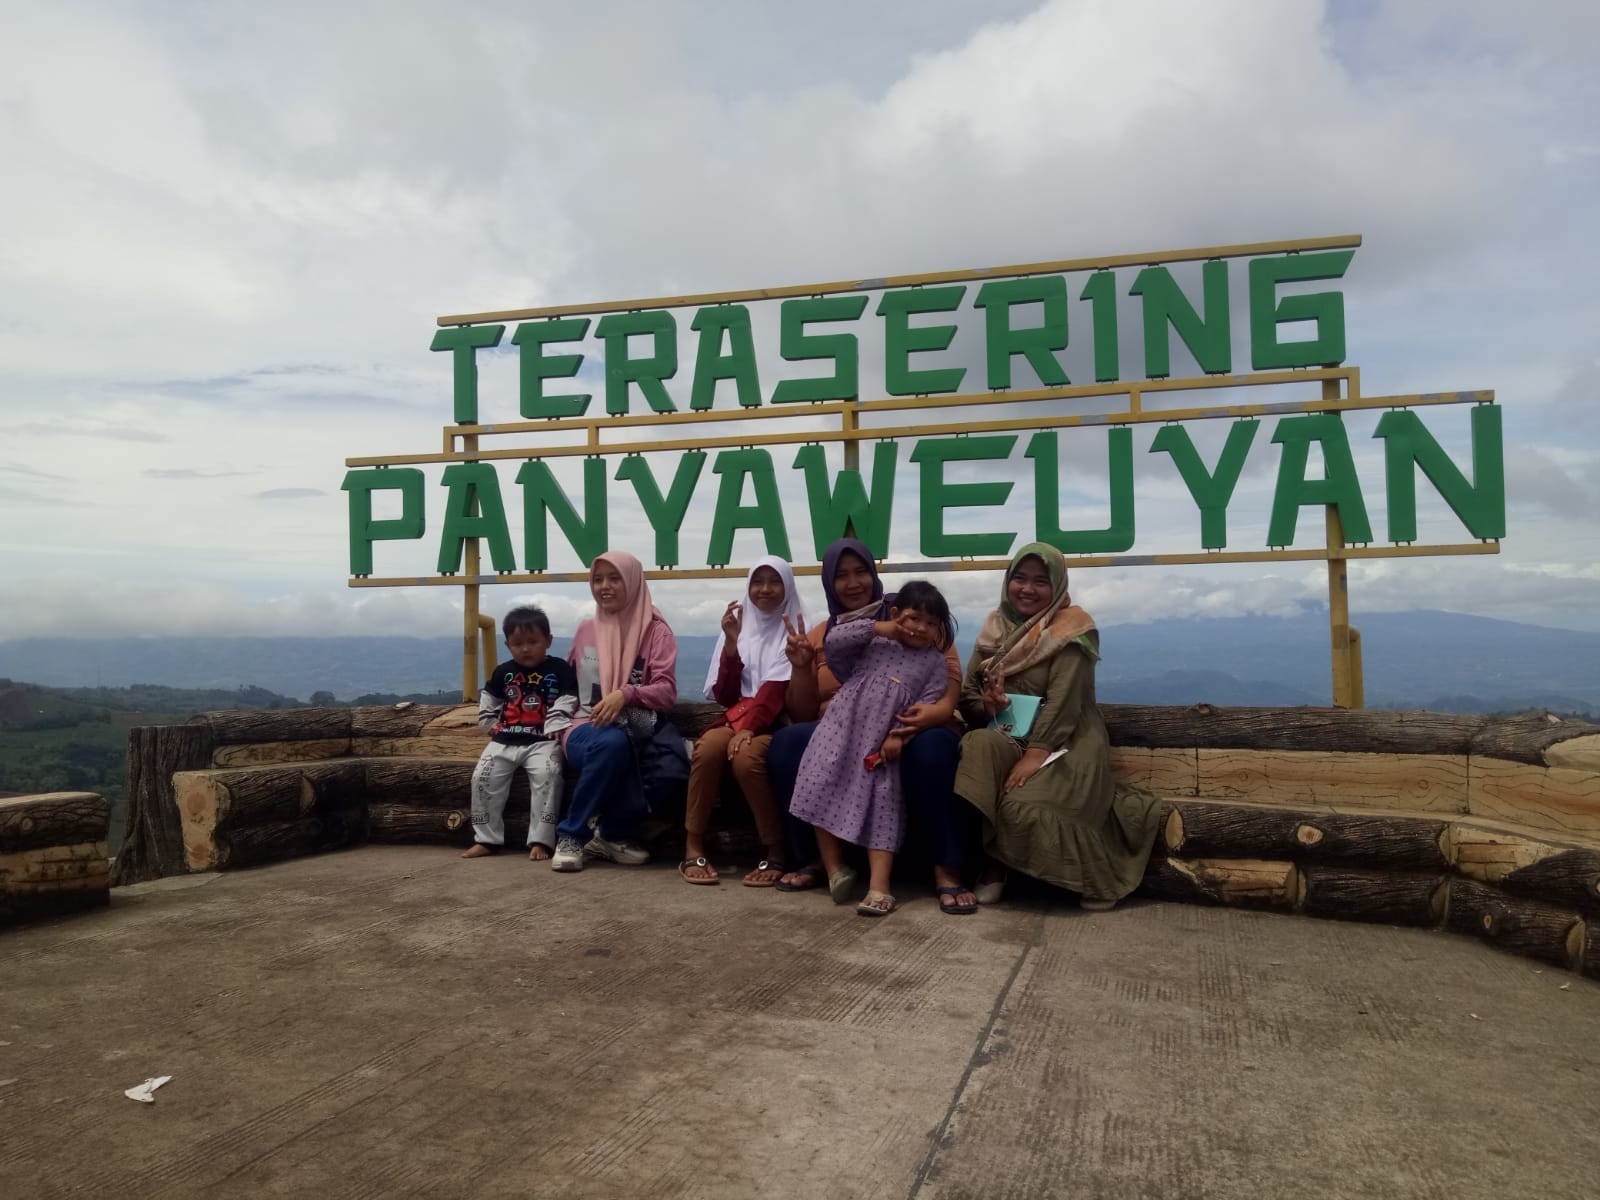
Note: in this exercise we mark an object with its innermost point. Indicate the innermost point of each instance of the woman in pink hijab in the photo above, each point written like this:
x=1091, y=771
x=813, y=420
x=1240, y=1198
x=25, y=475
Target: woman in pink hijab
x=626, y=660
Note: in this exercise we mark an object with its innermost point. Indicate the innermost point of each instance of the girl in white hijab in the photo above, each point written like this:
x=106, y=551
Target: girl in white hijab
x=749, y=676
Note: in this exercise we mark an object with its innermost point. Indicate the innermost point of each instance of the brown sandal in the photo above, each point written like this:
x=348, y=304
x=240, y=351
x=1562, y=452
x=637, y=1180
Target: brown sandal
x=683, y=869
x=766, y=864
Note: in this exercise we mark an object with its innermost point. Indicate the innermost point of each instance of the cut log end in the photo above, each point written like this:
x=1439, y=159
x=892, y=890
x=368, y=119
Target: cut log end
x=1577, y=939
x=1174, y=831
x=1308, y=835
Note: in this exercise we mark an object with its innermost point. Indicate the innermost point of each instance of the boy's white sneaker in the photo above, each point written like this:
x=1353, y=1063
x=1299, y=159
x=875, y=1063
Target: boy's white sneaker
x=568, y=855
x=627, y=854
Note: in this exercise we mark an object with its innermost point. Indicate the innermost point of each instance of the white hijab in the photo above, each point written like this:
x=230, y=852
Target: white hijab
x=762, y=637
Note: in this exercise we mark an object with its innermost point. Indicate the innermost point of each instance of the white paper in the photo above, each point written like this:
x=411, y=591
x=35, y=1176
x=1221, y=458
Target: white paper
x=1052, y=756
x=144, y=1093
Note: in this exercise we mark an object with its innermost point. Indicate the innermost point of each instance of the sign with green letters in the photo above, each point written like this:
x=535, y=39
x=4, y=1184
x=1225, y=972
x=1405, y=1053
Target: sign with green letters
x=680, y=411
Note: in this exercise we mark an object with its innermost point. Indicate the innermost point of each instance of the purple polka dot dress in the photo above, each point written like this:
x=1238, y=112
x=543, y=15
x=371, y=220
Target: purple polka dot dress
x=882, y=678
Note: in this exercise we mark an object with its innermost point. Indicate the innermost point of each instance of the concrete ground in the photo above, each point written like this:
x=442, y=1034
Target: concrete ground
x=396, y=1022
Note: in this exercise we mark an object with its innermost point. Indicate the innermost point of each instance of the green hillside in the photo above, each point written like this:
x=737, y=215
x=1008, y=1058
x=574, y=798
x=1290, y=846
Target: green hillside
x=76, y=739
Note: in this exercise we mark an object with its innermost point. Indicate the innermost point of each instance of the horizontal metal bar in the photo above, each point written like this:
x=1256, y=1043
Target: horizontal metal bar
x=1057, y=266
x=900, y=403
x=891, y=432
x=938, y=566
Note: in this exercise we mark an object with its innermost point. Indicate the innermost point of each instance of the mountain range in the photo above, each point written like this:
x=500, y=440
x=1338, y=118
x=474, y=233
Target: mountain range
x=1438, y=660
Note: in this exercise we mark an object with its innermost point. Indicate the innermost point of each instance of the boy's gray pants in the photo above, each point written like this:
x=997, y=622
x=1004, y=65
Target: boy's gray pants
x=491, y=786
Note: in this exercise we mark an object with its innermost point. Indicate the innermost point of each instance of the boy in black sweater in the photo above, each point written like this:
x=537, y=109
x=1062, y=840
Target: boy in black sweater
x=527, y=701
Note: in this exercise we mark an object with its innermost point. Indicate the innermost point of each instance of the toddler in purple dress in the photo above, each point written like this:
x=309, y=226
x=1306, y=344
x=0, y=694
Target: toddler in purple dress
x=849, y=780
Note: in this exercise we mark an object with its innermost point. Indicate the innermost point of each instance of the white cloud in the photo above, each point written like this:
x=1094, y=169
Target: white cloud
x=223, y=243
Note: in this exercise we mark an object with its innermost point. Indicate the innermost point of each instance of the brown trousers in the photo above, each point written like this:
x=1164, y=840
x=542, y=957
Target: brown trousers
x=749, y=769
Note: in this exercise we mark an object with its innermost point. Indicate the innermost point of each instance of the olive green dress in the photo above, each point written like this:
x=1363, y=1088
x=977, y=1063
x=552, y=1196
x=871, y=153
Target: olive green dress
x=1071, y=824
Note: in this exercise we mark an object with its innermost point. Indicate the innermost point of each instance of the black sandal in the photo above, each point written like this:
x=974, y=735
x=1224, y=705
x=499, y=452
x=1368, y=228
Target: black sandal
x=956, y=910
x=815, y=876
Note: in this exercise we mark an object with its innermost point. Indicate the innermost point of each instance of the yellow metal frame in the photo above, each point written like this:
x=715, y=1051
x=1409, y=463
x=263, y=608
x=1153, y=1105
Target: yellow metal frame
x=1340, y=392
x=936, y=566
x=833, y=288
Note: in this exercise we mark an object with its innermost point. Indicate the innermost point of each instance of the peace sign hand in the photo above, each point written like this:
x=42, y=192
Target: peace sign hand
x=801, y=653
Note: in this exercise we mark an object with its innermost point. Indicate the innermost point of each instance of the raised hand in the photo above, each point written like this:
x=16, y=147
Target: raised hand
x=798, y=648
x=892, y=630
x=732, y=623
x=994, y=692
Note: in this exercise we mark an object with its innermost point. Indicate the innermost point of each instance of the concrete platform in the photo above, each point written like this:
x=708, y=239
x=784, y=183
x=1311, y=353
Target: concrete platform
x=396, y=1022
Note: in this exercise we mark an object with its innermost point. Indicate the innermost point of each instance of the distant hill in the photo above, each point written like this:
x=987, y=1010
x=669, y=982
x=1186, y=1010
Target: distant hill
x=1197, y=687
x=1411, y=660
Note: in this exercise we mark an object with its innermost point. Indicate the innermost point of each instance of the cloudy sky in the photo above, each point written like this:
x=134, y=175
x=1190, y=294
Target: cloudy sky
x=226, y=230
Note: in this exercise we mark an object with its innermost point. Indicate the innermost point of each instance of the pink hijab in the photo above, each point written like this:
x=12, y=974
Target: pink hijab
x=617, y=636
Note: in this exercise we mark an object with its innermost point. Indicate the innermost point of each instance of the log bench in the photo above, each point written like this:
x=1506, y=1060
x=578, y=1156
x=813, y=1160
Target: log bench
x=53, y=855
x=1479, y=825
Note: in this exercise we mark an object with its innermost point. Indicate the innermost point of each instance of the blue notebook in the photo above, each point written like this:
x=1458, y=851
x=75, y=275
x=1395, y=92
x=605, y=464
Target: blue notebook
x=1016, y=718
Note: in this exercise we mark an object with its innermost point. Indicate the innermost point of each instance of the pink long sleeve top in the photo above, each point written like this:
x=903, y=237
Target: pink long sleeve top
x=652, y=680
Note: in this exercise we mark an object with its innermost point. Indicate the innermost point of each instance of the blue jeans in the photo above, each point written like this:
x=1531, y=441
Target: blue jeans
x=941, y=826
x=607, y=787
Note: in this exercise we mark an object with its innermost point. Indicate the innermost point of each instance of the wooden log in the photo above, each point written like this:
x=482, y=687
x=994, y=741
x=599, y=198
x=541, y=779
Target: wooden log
x=1525, y=927
x=1553, y=800
x=1169, y=772
x=463, y=744
x=275, y=725
x=1406, y=783
x=420, y=782
x=401, y=720
x=448, y=733
x=1580, y=753
x=333, y=786
x=1529, y=738
x=1361, y=894
x=1591, y=949
x=1246, y=883
x=275, y=841
x=1333, y=729
x=237, y=797
x=411, y=824
x=1196, y=830
x=256, y=754
x=152, y=839
x=216, y=799
x=52, y=819
x=213, y=804
x=1568, y=879
x=22, y=869
x=1490, y=854
x=51, y=880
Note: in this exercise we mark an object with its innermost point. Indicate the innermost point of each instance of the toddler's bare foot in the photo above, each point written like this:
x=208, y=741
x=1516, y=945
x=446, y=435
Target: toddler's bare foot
x=478, y=850
x=538, y=852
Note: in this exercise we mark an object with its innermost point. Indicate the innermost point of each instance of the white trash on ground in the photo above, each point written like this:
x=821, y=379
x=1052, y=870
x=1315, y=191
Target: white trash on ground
x=144, y=1093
